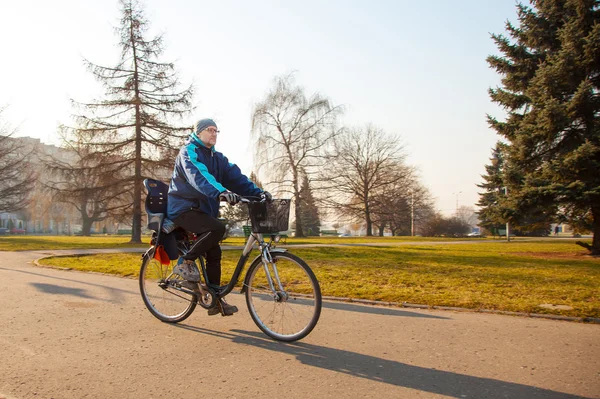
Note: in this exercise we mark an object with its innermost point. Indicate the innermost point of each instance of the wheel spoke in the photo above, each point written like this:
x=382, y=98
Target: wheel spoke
x=286, y=319
x=166, y=303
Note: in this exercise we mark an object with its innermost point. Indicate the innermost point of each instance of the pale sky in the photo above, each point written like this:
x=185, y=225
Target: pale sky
x=415, y=69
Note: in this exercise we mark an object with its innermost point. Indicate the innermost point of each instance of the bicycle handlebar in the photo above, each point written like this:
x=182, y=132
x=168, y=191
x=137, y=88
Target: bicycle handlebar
x=249, y=200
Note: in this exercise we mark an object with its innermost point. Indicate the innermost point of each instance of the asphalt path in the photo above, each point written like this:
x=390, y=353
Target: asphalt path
x=67, y=334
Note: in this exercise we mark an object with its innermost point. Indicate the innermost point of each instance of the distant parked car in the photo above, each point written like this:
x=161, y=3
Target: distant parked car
x=4, y=230
x=474, y=234
x=17, y=231
x=344, y=235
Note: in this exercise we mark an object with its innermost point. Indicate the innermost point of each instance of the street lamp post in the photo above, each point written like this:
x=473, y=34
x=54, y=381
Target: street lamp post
x=460, y=192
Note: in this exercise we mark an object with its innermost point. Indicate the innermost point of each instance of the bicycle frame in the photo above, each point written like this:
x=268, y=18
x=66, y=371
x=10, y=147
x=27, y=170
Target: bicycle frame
x=285, y=310
x=221, y=291
x=265, y=254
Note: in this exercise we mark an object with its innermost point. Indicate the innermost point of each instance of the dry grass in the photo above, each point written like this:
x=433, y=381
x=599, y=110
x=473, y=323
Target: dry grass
x=517, y=276
x=32, y=243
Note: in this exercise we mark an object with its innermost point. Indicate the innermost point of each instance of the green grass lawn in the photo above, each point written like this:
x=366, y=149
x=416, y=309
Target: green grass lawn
x=30, y=242
x=517, y=276
x=354, y=240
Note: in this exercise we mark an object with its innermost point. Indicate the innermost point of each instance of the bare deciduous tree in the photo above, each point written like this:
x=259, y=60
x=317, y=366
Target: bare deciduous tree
x=133, y=127
x=366, y=163
x=467, y=214
x=403, y=205
x=17, y=178
x=292, y=132
x=439, y=226
x=86, y=181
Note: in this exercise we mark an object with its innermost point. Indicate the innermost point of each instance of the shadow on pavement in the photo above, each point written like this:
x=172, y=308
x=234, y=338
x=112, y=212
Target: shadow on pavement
x=116, y=293
x=60, y=290
x=385, y=311
x=388, y=371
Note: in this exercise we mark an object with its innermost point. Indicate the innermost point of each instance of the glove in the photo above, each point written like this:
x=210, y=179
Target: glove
x=229, y=197
x=266, y=196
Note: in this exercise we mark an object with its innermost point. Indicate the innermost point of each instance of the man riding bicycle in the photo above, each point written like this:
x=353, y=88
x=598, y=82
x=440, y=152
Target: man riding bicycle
x=201, y=178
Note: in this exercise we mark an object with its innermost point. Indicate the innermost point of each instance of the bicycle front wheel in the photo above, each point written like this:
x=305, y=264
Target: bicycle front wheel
x=287, y=314
x=162, y=294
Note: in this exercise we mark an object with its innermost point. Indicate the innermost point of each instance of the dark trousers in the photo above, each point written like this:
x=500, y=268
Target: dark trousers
x=210, y=232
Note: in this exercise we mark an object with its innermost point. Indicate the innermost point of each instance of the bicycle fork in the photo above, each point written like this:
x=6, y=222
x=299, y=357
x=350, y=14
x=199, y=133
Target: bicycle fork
x=279, y=293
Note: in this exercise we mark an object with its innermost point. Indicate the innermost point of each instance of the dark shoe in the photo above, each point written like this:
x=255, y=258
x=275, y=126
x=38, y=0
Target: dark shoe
x=224, y=308
x=188, y=270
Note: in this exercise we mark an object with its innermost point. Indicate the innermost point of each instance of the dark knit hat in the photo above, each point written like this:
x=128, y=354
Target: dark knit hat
x=203, y=124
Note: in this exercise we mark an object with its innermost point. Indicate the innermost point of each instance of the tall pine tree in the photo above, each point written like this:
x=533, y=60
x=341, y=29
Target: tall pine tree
x=491, y=215
x=551, y=80
x=133, y=127
x=499, y=206
x=309, y=212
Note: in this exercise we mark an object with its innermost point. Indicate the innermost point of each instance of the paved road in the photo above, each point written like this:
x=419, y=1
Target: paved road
x=66, y=334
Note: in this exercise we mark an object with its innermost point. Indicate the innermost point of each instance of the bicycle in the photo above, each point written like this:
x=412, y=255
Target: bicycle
x=282, y=293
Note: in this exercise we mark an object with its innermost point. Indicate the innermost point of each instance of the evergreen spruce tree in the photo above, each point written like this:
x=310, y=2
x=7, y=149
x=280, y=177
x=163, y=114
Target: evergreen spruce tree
x=551, y=81
x=494, y=205
x=133, y=126
x=497, y=205
x=309, y=212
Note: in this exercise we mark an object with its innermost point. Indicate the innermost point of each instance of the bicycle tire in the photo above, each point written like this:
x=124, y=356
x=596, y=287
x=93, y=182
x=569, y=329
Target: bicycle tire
x=162, y=299
x=283, y=317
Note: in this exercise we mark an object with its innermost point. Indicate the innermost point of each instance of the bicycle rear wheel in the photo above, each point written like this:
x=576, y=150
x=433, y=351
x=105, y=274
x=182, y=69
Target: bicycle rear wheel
x=289, y=314
x=162, y=296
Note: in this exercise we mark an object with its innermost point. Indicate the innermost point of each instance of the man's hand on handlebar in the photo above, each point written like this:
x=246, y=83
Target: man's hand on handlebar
x=229, y=197
x=266, y=196
x=232, y=198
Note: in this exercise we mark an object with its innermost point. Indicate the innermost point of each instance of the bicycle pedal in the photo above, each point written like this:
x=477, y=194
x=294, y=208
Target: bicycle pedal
x=189, y=285
x=227, y=309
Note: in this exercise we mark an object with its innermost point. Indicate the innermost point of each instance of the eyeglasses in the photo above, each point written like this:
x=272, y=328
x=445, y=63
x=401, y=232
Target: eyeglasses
x=213, y=130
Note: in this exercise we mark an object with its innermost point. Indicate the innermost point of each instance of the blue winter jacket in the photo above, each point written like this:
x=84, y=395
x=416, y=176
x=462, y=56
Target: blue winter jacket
x=200, y=175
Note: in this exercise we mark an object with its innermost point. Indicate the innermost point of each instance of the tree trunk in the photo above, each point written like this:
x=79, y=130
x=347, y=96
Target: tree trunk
x=368, y=220
x=86, y=227
x=381, y=229
x=595, y=249
x=297, y=210
x=136, y=230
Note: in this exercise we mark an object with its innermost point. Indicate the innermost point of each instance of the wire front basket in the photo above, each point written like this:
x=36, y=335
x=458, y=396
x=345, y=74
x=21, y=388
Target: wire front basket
x=271, y=217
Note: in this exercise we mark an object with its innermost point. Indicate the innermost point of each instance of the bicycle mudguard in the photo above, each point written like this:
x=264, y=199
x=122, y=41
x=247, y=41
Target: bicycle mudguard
x=277, y=250
x=148, y=253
